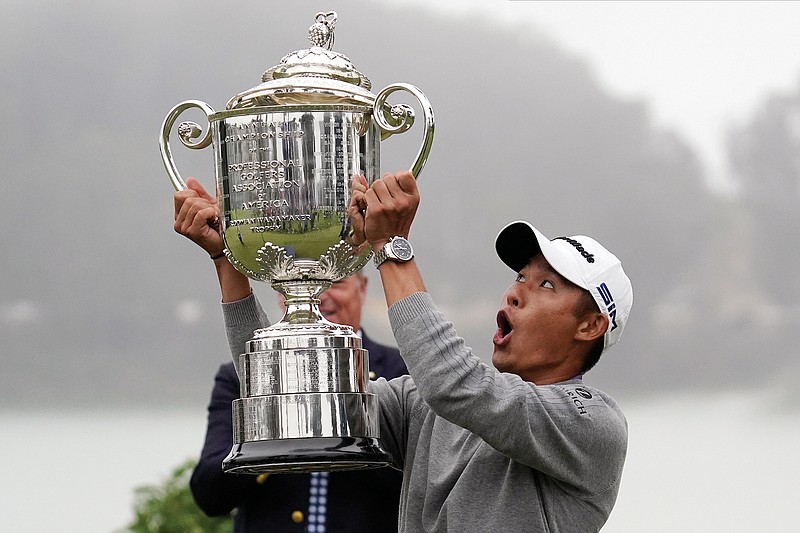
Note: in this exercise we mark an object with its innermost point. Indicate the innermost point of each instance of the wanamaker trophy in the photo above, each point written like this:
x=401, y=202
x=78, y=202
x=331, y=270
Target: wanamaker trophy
x=284, y=152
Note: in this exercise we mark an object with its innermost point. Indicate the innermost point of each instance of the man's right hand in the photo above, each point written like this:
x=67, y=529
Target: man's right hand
x=197, y=217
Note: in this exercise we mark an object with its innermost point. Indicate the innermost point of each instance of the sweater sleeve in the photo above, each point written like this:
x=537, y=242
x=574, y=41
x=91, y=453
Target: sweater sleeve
x=242, y=318
x=397, y=403
x=569, y=431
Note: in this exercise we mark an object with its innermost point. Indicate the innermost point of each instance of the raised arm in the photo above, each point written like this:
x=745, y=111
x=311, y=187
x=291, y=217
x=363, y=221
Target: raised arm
x=197, y=219
x=380, y=212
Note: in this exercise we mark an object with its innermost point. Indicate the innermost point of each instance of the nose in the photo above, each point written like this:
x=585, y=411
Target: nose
x=511, y=297
x=324, y=297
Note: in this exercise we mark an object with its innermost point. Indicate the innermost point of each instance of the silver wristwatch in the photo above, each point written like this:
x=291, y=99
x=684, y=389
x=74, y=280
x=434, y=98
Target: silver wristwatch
x=397, y=249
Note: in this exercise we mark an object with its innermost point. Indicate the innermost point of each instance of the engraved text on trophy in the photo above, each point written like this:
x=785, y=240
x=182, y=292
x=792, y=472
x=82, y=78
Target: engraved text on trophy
x=285, y=179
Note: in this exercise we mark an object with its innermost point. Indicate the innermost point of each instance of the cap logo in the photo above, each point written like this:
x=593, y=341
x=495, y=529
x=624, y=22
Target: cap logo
x=611, y=307
x=578, y=246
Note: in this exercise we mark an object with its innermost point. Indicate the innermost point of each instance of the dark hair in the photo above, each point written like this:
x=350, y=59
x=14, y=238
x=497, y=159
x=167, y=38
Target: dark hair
x=594, y=355
x=586, y=304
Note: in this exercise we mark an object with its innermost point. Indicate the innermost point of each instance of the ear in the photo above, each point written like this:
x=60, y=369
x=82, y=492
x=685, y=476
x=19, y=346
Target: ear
x=591, y=327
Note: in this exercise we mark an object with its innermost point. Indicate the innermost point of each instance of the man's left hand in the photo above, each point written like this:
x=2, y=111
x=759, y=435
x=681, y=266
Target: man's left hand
x=389, y=206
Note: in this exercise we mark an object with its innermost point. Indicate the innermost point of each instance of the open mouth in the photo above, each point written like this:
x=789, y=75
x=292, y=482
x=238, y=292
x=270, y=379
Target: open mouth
x=504, y=329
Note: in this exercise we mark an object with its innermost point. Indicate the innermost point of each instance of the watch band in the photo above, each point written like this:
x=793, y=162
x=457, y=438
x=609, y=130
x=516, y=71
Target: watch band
x=381, y=256
x=397, y=249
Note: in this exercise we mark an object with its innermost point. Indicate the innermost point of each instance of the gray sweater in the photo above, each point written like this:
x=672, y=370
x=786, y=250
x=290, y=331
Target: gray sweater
x=481, y=450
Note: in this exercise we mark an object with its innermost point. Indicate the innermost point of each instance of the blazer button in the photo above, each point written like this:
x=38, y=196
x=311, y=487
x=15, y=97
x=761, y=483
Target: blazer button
x=262, y=478
x=297, y=517
x=372, y=375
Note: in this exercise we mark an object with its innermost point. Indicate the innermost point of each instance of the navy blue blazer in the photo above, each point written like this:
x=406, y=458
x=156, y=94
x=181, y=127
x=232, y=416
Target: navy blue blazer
x=360, y=501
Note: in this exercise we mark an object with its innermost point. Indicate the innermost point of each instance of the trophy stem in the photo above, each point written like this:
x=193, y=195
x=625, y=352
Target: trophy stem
x=302, y=300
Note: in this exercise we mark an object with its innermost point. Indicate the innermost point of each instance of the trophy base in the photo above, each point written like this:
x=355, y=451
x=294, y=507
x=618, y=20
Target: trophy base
x=311, y=454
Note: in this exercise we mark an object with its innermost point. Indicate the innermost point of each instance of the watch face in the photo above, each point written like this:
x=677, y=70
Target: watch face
x=402, y=249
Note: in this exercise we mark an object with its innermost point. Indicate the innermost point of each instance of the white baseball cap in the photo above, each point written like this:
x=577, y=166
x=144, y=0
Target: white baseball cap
x=580, y=259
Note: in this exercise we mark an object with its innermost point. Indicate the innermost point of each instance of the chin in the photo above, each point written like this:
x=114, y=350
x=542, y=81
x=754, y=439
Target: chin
x=498, y=362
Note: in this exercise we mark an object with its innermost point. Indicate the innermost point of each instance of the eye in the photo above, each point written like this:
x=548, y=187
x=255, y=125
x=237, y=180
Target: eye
x=520, y=278
x=547, y=284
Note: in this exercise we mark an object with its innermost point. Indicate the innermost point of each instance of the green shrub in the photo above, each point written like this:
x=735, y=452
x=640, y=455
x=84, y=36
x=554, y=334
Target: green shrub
x=170, y=508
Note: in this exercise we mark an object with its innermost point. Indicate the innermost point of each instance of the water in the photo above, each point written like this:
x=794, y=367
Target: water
x=76, y=470
x=701, y=463
x=711, y=464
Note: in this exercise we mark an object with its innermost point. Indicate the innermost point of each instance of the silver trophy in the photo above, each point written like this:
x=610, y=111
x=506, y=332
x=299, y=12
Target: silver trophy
x=285, y=152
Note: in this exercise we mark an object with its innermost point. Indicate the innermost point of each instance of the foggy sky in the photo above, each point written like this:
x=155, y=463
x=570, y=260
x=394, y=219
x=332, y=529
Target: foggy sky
x=102, y=302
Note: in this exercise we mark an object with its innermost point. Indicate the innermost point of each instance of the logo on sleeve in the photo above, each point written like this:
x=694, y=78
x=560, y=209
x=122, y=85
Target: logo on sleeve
x=573, y=395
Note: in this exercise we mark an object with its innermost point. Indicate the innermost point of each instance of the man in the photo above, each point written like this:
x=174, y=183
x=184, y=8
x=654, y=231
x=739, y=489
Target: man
x=365, y=501
x=524, y=446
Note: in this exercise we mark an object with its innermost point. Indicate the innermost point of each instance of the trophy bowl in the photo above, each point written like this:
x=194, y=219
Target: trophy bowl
x=285, y=152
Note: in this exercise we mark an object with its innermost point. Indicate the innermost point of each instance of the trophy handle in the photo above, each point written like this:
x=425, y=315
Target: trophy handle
x=187, y=131
x=399, y=118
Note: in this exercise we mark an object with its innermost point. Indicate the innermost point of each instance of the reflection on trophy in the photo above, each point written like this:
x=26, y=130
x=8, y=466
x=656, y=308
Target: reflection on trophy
x=285, y=152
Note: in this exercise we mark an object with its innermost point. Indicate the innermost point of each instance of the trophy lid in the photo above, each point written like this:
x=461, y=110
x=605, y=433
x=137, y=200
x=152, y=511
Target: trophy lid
x=315, y=75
